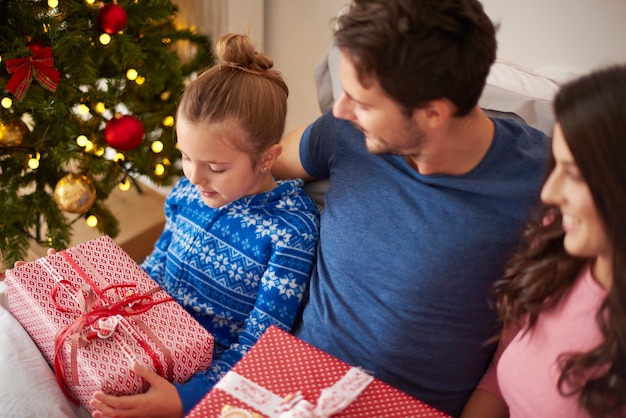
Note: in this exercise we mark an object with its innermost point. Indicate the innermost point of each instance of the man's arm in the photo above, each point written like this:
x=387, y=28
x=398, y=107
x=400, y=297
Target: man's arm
x=288, y=164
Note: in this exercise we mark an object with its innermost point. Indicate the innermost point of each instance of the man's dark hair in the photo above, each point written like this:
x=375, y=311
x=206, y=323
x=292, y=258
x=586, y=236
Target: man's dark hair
x=420, y=50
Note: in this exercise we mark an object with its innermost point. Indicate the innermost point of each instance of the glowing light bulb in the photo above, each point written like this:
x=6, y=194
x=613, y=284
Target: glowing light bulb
x=88, y=146
x=105, y=39
x=82, y=140
x=124, y=185
x=140, y=80
x=168, y=121
x=159, y=169
x=132, y=74
x=90, y=1
x=6, y=102
x=53, y=3
x=91, y=221
x=157, y=147
x=99, y=152
x=33, y=163
x=100, y=107
x=83, y=109
x=119, y=157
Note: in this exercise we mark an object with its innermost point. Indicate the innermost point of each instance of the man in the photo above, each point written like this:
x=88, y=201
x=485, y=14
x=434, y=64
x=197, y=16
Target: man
x=427, y=197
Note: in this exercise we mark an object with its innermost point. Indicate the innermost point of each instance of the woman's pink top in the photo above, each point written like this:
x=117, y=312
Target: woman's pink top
x=528, y=372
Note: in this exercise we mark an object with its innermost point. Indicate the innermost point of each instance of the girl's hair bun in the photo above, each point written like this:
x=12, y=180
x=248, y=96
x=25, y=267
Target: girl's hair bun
x=236, y=50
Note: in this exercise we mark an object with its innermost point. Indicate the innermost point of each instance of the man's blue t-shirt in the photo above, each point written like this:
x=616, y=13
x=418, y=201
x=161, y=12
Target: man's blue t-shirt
x=406, y=261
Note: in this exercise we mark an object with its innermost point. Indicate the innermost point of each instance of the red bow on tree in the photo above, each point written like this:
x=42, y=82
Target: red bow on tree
x=39, y=65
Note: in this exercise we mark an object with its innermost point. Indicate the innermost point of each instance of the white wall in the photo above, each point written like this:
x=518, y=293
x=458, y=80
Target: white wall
x=297, y=33
x=569, y=35
x=578, y=35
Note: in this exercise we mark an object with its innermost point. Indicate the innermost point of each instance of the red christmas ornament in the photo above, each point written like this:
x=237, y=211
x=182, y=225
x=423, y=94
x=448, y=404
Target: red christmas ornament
x=112, y=18
x=124, y=133
x=36, y=45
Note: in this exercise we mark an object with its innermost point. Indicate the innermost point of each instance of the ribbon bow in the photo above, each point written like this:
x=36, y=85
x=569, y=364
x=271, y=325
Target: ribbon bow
x=39, y=65
x=331, y=401
x=96, y=312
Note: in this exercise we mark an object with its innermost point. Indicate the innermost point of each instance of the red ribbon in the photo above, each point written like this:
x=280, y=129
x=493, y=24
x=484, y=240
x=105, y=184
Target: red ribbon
x=39, y=65
x=95, y=307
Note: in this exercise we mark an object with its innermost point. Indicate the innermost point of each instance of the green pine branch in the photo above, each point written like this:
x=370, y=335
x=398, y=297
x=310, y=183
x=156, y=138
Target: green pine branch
x=92, y=75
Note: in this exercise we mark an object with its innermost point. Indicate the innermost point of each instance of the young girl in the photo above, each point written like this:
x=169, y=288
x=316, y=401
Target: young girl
x=238, y=247
x=566, y=292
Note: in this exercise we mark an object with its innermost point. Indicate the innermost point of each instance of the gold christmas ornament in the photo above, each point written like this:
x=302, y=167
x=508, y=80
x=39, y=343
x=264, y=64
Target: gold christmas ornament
x=75, y=193
x=13, y=133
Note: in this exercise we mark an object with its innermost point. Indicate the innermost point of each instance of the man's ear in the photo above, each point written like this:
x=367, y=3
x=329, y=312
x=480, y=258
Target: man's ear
x=435, y=113
x=269, y=156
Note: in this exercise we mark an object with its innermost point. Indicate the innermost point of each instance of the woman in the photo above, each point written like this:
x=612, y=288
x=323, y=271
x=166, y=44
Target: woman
x=563, y=298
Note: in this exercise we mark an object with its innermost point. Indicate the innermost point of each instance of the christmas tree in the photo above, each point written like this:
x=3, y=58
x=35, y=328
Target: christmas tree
x=88, y=93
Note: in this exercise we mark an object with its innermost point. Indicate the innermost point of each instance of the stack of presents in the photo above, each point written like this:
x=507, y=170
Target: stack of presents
x=92, y=311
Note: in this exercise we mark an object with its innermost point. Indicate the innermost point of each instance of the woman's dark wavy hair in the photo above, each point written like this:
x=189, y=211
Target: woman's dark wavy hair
x=420, y=51
x=591, y=112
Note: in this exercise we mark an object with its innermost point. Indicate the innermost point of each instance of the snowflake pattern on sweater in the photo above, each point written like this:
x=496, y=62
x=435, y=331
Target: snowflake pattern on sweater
x=237, y=269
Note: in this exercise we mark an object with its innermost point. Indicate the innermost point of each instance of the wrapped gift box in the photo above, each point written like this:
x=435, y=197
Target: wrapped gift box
x=280, y=365
x=92, y=311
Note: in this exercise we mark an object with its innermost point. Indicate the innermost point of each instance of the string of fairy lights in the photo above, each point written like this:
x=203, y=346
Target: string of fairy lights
x=12, y=133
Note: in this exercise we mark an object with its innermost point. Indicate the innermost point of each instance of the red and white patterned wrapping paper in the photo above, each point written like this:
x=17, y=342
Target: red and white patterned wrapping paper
x=165, y=337
x=284, y=365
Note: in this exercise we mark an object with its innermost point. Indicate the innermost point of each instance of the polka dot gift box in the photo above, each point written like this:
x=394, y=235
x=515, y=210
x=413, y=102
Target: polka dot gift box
x=92, y=311
x=284, y=377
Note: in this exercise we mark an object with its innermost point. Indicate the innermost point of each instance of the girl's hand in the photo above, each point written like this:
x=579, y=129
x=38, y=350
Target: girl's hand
x=19, y=263
x=161, y=399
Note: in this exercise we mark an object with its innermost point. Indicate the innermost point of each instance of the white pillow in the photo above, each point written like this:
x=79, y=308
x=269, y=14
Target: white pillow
x=28, y=387
x=514, y=89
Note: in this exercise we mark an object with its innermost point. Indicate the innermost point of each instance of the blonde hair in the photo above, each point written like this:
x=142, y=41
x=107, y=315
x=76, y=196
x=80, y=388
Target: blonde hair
x=242, y=88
